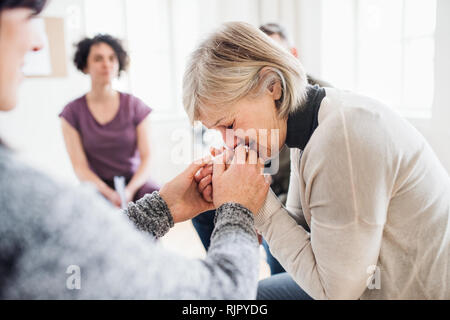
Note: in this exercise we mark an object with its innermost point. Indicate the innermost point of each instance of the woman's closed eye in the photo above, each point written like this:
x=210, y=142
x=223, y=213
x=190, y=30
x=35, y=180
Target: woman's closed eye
x=231, y=126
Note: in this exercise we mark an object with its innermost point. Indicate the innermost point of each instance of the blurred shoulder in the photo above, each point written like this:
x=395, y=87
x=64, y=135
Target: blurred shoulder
x=132, y=100
x=28, y=194
x=356, y=111
x=76, y=103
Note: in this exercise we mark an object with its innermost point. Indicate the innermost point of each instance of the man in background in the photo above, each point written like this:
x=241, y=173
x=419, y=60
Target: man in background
x=279, y=34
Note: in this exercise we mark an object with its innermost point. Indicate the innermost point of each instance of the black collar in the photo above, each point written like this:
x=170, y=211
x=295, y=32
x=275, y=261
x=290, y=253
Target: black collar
x=302, y=123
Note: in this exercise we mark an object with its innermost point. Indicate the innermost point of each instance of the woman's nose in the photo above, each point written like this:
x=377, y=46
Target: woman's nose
x=106, y=64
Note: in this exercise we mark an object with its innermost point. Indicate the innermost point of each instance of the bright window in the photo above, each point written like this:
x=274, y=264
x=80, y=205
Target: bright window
x=382, y=48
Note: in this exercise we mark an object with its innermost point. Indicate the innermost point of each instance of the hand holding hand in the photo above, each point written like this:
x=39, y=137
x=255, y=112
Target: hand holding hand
x=241, y=182
x=182, y=196
x=204, y=175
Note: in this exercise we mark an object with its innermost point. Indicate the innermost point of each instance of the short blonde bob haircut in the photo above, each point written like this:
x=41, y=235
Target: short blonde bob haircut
x=238, y=60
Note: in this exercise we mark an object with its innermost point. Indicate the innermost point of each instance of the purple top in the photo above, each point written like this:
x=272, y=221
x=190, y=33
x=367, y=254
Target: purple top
x=111, y=149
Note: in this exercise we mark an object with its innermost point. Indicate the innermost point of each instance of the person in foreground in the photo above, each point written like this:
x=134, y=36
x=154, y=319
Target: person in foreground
x=367, y=184
x=48, y=230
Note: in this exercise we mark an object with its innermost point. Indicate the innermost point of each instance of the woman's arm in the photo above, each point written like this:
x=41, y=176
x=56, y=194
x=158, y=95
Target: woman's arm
x=346, y=193
x=142, y=174
x=80, y=164
x=151, y=214
x=114, y=260
x=230, y=269
x=293, y=204
x=74, y=228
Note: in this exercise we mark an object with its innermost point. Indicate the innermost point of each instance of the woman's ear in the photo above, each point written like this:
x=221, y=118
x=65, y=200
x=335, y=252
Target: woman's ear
x=272, y=80
x=276, y=90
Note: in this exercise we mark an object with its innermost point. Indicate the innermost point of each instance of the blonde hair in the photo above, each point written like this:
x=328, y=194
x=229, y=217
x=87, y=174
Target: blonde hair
x=238, y=60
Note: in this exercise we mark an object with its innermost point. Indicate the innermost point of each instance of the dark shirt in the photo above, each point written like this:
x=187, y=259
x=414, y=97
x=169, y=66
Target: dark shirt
x=301, y=126
x=303, y=122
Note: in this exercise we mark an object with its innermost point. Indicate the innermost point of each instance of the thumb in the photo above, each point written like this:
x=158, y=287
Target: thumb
x=192, y=169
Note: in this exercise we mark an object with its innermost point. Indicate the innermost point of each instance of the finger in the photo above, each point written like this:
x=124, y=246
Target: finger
x=207, y=194
x=218, y=166
x=197, y=176
x=204, y=183
x=195, y=166
x=240, y=156
x=203, y=172
x=252, y=157
x=229, y=155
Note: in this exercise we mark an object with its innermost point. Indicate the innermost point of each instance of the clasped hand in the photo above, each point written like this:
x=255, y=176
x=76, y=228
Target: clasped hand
x=232, y=176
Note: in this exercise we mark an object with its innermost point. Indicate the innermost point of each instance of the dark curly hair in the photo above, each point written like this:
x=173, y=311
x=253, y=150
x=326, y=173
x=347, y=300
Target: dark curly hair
x=36, y=5
x=84, y=47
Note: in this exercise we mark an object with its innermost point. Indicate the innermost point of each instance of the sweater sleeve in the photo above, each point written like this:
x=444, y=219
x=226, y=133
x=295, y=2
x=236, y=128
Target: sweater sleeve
x=233, y=274
x=346, y=191
x=151, y=214
x=68, y=243
x=293, y=203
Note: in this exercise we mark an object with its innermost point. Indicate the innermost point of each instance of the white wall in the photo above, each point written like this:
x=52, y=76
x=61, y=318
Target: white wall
x=437, y=130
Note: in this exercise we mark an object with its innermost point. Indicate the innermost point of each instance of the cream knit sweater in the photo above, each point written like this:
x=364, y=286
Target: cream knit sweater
x=377, y=201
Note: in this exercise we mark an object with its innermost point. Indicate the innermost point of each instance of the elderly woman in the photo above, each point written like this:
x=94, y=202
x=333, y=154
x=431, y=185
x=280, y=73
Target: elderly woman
x=58, y=242
x=371, y=190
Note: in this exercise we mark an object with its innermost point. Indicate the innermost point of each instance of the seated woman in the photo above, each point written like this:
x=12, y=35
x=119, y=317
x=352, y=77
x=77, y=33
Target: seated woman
x=107, y=132
x=364, y=180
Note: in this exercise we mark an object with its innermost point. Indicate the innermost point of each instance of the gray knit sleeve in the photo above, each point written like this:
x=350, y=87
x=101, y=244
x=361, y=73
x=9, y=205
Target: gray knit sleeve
x=61, y=242
x=230, y=269
x=233, y=256
x=232, y=216
x=151, y=214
